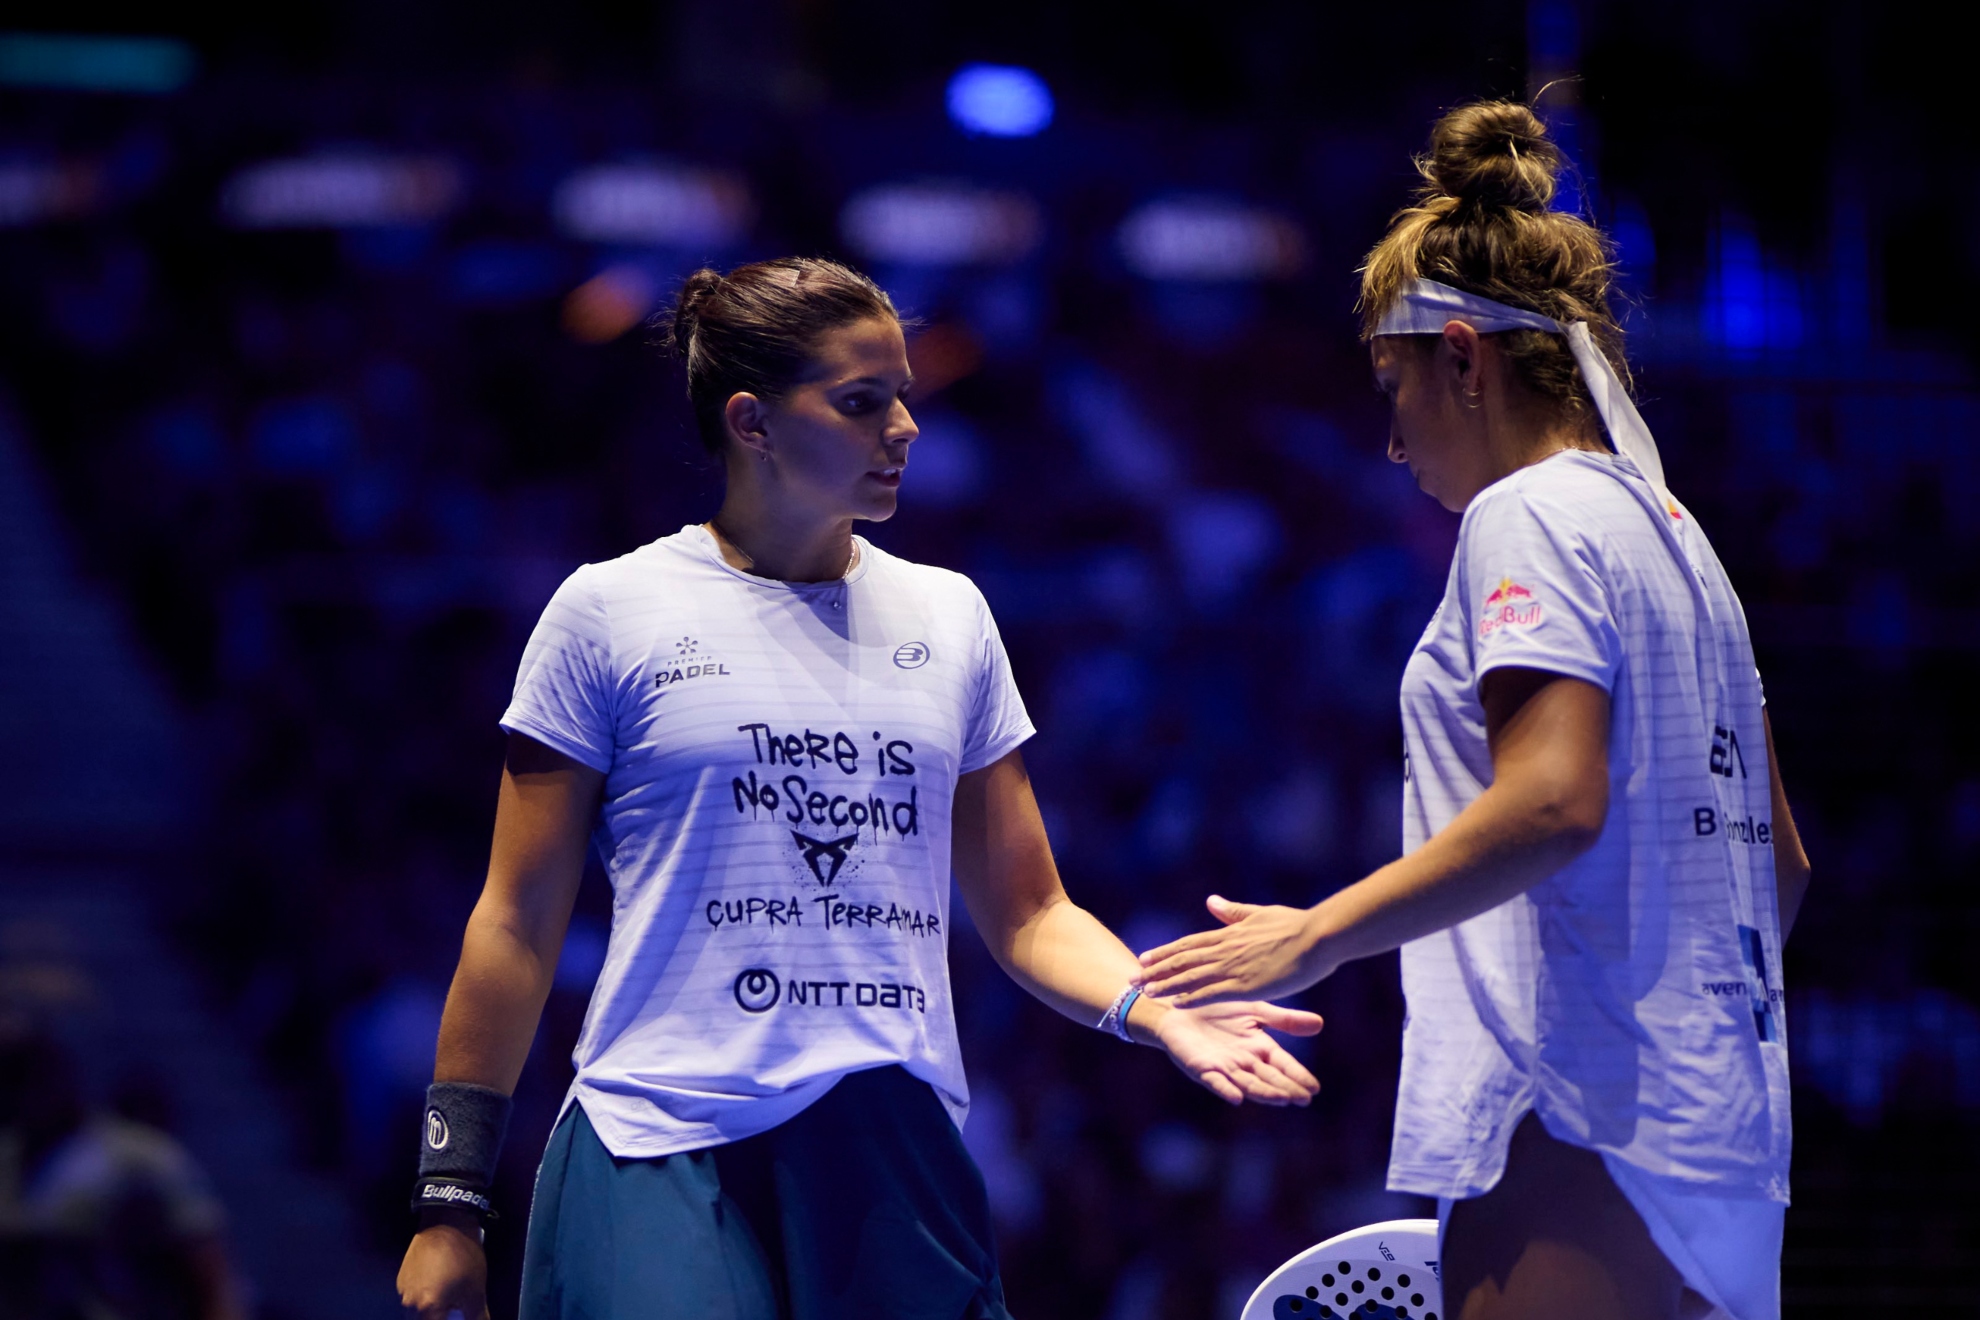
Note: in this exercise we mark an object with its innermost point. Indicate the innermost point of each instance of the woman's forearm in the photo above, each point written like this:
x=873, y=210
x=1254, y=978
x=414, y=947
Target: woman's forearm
x=1059, y=952
x=494, y=1003
x=1067, y=959
x=1500, y=846
x=509, y=955
x=1048, y=944
x=1547, y=803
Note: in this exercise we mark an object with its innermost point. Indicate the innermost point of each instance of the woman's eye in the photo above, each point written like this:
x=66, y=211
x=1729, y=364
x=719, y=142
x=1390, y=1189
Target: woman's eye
x=855, y=403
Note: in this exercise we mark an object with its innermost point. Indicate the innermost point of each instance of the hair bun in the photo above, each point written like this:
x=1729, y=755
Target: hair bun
x=695, y=292
x=1493, y=154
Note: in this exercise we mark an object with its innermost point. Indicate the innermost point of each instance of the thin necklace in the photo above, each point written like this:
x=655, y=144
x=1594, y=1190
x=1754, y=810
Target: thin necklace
x=852, y=556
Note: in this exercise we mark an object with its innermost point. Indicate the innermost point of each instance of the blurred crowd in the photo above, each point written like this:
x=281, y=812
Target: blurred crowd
x=102, y=1212
x=335, y=461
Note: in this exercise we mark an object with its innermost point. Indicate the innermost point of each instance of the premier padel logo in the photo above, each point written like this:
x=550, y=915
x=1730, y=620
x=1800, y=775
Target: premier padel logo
x=1509, y=605
x=689, y=661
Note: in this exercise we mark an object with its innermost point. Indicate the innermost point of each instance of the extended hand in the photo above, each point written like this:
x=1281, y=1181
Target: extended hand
x=445, y=1275
x=1225, y=1048
x=1261, y=953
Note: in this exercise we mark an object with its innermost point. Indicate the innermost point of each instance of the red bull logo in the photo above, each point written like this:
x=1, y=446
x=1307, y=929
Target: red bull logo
x=1509, y=605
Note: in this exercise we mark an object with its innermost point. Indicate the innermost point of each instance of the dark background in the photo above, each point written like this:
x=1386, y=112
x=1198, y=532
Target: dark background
x=287, y=501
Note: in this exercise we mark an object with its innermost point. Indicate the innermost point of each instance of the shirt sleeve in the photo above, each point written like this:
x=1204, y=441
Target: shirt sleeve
x=563, y=696
x=997, y=718
x=1532, y=577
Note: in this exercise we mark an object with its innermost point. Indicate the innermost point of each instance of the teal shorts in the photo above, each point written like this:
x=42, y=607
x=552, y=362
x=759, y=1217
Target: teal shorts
x=863, y=1207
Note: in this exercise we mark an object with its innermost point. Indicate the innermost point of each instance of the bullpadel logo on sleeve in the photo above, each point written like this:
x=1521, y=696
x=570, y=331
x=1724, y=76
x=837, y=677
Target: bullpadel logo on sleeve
x=1509, y=605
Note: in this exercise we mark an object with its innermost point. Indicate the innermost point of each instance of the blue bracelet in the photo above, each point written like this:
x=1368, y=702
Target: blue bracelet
x=1115, y=1018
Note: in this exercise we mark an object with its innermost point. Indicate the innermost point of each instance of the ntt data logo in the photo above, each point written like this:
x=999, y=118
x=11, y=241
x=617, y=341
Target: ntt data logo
x=911, y=655
x=758, y=989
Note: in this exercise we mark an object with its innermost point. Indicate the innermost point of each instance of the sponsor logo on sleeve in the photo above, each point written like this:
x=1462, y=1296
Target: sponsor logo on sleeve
x=1508, y=605
x=911, y=655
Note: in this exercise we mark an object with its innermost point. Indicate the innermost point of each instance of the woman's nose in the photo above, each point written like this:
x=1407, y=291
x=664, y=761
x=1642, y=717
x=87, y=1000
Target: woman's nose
x=1396, y=454
x=900, y=427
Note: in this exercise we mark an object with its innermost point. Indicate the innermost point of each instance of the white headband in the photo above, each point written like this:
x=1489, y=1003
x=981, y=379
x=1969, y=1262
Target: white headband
x=1426, y=307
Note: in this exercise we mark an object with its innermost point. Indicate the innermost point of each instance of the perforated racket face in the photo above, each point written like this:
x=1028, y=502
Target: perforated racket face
x=1385, y=1271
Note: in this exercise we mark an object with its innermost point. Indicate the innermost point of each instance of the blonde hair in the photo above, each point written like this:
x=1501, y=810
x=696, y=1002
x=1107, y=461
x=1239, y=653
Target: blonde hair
x=1483, y=222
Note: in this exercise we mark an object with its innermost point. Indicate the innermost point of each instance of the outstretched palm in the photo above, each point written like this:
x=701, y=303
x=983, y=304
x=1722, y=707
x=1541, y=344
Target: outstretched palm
x=1227, y=1049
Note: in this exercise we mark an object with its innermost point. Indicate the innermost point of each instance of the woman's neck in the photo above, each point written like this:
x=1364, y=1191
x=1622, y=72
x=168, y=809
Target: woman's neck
x=1525, y=436
x=782, y=547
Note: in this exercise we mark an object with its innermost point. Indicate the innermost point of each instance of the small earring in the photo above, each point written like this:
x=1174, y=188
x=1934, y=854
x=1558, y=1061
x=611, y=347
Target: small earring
x=1474, y=398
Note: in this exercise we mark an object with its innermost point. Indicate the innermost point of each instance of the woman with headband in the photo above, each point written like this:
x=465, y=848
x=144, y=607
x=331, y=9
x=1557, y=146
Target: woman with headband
x=782, y=741
x=1600, y=866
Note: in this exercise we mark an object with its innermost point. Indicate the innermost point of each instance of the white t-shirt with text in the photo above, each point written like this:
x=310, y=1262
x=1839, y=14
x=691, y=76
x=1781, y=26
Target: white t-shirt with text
x=1633, y=999
x=780, y=761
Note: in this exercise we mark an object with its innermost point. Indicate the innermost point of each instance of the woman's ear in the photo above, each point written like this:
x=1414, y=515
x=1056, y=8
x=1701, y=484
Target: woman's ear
x=1461, y=342
x=747, y=422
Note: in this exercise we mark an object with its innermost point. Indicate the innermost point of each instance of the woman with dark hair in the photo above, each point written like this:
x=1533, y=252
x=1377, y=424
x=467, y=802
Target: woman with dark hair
x=1600, y=863
x=781, y=740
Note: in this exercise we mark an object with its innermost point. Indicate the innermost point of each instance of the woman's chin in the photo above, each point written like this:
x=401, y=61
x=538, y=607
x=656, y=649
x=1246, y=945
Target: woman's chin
x=878, y=507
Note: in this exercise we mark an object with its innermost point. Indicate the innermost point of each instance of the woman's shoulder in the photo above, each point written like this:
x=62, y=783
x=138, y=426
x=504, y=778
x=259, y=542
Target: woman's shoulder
x=927, y=580
x=659, y=565
x=1567, y=490
x=595, y=600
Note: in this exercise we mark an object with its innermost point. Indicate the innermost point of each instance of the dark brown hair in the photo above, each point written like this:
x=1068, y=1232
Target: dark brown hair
x=1483, y=222
x=756, y=329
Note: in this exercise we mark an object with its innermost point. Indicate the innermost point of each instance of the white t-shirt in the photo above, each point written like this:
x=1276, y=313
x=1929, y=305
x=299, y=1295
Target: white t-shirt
x=1633, y=999
x=780, y=760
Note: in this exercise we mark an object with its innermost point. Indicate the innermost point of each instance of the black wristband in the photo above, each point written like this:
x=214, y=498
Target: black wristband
x=460, y=1141
x=463, y=1132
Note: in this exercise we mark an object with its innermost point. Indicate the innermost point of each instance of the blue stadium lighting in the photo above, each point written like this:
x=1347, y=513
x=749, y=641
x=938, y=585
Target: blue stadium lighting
x=654, y=205
x=999, y=100
x=351, y=191
x=936, y=224
x=1210, y=240
x=143, y=65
